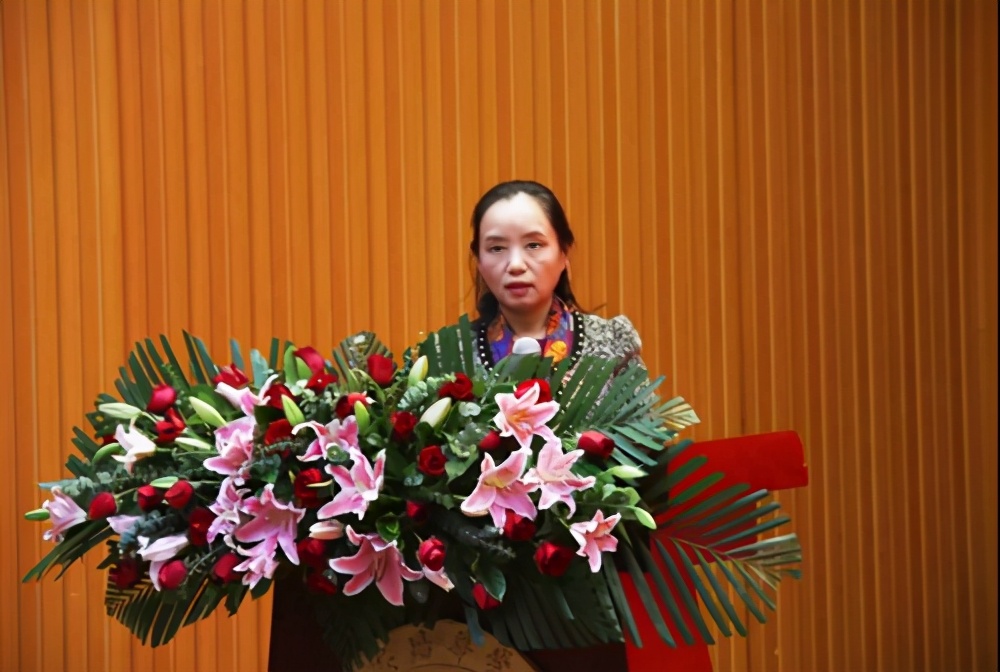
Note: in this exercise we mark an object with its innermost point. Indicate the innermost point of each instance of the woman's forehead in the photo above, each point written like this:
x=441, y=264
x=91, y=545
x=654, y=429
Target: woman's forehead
x=515, y=217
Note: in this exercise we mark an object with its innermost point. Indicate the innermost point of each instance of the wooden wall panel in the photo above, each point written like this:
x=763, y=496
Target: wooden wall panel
x=795, y=202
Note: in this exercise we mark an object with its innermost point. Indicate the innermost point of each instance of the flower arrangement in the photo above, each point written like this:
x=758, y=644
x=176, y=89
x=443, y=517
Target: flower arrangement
x=393, y=488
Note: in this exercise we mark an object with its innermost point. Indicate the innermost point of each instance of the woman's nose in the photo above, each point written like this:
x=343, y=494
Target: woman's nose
x=515, y=263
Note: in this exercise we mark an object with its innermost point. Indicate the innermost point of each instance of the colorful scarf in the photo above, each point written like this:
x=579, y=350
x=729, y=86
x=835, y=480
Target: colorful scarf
x=558, y=341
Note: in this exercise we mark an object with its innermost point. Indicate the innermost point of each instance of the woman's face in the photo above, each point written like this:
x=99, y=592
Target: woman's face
x=520, y=259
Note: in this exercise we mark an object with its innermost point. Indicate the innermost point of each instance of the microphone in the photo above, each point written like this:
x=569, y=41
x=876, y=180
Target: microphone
x=526, y=346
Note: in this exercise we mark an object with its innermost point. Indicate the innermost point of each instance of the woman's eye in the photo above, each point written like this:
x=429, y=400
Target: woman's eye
x=534, y=246
x=494, y=248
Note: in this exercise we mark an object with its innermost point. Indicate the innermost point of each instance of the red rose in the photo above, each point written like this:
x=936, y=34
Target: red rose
x=312, y=358
x=126, y=573
x=320, y=583
x=403, y=423
x=484, y=599
x=172, y=574
x=381, y=369
x=596, y=444
x=490, y=442
x=169, y=428
x=275, y=393
x=312, y=552
x=320, y=381
x=459, y=390
x=198, y=523
x=179, y=494
x=518, y=528
x=231, y=376
x=431, y=461
x=148, y=497
x=279, y=430
x=163, y=397
x=311, y=498
x=102, y=505
x=345, y=405
x=431, y=554
x=418, y=512
x=223, y=570
x=553, y=559
x=544, y=391
x=107, y=438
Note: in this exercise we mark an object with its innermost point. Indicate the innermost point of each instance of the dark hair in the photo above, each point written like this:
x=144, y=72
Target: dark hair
x=486, y=303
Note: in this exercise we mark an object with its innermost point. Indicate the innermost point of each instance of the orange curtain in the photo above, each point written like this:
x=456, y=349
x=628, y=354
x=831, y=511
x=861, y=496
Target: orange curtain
x=795, y=203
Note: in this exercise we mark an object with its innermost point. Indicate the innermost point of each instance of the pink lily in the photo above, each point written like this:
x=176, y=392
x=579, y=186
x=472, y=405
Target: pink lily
x=553, y=477
x=122, y=524
x=341, y=434
x=137, y=445
x=160, y=552
x=524, y=418
x=244, y=398
x=327, y=530
x=234, y=442
x=64, y=514
x=226, y=508
x=500, y=489
x=439, y=579
x=379, y=561
x=260, y=562
x=594, y=537
x=272, y=520
x=359, y=486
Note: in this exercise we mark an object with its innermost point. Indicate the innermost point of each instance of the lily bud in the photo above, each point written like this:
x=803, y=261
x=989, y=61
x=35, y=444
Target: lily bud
x=104, y=451
x=37, y=514
x=119, y=410
x=207, y=412
x=437, y=412
x=361, y=415
x=292, y=411
x=418, y=371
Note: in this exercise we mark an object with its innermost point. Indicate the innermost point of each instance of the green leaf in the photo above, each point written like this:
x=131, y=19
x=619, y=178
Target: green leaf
x=492, y=579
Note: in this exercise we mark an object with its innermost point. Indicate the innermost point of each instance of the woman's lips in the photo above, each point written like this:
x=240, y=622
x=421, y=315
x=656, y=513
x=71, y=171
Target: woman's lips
x=518, y=288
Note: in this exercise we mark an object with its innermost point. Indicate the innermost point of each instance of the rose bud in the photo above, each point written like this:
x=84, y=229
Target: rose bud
x=172, y=575
x=594, y=443
x=312, y=552
x=418, y=512
x=148, y=497
x=168, y=430
x=431, y=461
x=310, y=498
x=107, y=438
x=179, y=494
x=279, y=430
x=381, y=369
x=223, y=571
x=126, y=573
x=312, y=358
x=403, y=424
x=460, y=389
x=102, y=505
x=490, y=442
x=431, y=554
x=231, y=376
x=163, y=397
x=320, y=381
x=345, y=405
x=553, y=559
x=518, y=528
x=274, y=394
x=544, y=391
x=199, y=522
x=484, y=599
x=318, y=582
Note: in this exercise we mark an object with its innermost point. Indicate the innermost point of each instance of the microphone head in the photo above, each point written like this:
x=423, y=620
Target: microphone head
x=526, y=346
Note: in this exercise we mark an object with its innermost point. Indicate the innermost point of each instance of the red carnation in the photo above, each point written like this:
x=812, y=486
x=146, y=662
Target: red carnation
x=544, y=391
x=518, y=528
x=179, y=494
x=231, y=376
x=126, y=573
x=319, y=582
x=312, y=358
x=431, y=461
x=431, y=554
x=381, y=369
x=345, y=405
x=172, y=575
x=223, y=570
x=198, y=523
x=484, y=599
x=148, y=497
x=102, y=505
x=311, y=498
x=594, y=443
x=460, y=389
x=312, y=552
x=320, y=381
x=403, y=424
x=418, y=512
x=490, y=442
x=163, y=397
x=274, y=394
x=553, y=559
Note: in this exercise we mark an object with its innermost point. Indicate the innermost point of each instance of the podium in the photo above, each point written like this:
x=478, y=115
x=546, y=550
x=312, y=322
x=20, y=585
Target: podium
x=773, y=461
